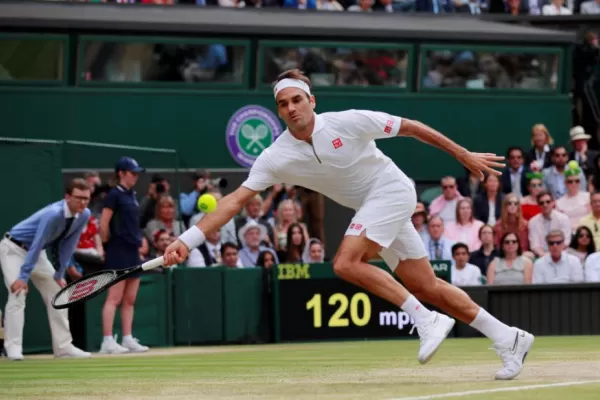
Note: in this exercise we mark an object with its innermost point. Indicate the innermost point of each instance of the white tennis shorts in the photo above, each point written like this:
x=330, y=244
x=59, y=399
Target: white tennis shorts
x=386, y=217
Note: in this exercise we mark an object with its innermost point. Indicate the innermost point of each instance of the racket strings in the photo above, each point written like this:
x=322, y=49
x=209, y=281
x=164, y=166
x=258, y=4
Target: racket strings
x=85, y=287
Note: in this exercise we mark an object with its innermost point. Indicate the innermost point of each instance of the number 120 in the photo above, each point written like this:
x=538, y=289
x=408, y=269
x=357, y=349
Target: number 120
x=336, y=319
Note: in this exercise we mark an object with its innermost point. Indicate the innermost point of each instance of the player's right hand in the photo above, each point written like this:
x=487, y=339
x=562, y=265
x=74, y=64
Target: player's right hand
x=176, y=253
x=18, y=286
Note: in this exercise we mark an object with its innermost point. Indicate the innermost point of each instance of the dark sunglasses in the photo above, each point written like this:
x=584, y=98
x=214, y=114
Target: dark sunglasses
x=555, y=243
x=535, y=185
x=573, y=181
x=543, y=203
x=448, y=186
x=509, y=241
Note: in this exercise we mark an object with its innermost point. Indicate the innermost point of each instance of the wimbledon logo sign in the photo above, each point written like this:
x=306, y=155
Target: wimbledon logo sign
x=250, y=130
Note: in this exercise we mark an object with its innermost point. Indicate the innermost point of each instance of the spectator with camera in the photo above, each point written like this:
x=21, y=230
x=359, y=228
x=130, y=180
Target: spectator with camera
x=202, y=184
x=158, y=187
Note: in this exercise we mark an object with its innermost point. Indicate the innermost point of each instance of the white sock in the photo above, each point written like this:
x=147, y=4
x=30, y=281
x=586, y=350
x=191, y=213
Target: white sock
x=487, y=324
x=127, y=337
x=415, y=309
x=108, y=338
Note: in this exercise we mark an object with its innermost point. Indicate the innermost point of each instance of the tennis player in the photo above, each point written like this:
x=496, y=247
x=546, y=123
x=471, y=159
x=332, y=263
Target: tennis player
x=334, y=153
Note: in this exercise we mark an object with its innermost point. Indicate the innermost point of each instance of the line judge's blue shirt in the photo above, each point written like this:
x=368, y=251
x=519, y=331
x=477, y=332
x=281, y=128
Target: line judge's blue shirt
x=125, y=222
x=41, y=229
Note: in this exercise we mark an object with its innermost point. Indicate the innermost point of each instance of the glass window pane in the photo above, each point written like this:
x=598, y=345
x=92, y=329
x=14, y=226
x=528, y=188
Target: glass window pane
x=162, y=62
x=490, y=70
x=330, y=66
x=31, y=59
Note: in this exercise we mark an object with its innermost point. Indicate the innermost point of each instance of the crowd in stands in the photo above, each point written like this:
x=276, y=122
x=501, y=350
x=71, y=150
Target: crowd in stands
x=537, y=224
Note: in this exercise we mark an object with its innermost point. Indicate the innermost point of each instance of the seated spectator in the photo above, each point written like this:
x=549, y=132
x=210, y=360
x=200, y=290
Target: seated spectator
x=419, y=220
x=541, y=143
x=159, y=187
x=590, y=7
x=529, y=206
x=558, y=266
x=592, y=220
x=548, y=220
x=252, y=234
x=554, y=178
x=466, y=228
x=575, y=203
x=164, y=219
x=314, y=252
x=444, y=205
x=487, y=252
x=438, y=246
x=556, y=7
x=189, y=201
x=470, y=185
x=162, y=240
x=208, y=253
x=514, y=176
x=511, y=220
x=275, y=196
x=591, y=271
x=510, y=267
x=362, y=6
x=286, y=217
x=488, y=204
x=227, y=232
x=90, y=242
x=265, y=260
x=295, y=244
x=253, y=211
x=579, y=140
x=582, y=244
x=462, y=273
x=229, y=255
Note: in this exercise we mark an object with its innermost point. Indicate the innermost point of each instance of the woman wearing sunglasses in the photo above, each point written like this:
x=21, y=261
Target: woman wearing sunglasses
x=582, y=244
x=575, y=203
x=510, y=267
x=529, y=205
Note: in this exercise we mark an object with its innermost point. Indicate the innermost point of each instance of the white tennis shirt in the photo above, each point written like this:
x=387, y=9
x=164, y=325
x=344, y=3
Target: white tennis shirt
x=342, y=163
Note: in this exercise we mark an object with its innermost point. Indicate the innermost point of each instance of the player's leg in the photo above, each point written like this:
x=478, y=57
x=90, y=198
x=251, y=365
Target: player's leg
x=417, y=275
x=113, y=299
x=62, y=341
x=127, y=310
x=11, y=260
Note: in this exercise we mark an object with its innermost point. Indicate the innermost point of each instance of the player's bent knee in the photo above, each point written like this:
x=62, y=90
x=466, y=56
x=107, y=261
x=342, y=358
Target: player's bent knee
x=343, y=266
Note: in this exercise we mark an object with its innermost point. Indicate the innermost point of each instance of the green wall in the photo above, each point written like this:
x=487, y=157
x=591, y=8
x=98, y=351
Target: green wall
x=194, y=122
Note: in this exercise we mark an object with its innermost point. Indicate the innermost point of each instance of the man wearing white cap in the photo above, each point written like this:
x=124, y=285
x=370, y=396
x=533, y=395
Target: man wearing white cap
x=581, y=153
x=334, y=153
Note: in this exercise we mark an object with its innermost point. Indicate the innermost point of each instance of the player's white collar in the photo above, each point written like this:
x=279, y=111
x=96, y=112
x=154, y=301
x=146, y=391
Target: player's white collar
x=319, y=124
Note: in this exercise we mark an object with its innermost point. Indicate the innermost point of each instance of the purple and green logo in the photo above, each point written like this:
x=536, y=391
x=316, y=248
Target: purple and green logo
x=250, y=130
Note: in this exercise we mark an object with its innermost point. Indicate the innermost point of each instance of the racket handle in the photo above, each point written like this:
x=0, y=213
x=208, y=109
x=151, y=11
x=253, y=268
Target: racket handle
x=157, y=262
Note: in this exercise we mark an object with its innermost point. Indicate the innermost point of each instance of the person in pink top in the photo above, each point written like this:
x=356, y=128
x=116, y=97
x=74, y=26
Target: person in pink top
x=466, y=228
x=575, y=203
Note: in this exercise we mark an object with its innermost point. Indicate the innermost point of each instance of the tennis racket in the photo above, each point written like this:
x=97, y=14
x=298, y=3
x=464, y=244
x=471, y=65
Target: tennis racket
x=93, y=284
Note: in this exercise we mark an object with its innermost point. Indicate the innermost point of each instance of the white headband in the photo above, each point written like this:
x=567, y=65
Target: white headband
x=288, y=83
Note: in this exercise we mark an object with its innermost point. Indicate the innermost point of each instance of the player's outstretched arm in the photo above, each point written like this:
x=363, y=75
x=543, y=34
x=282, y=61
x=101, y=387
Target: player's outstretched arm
x=478, y=163
x=228, y=207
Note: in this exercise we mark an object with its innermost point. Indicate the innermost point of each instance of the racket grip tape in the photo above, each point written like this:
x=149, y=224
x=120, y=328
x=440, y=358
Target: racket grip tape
x=157, y=262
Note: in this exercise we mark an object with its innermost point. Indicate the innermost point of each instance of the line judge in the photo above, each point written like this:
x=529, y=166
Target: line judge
x=55, y=228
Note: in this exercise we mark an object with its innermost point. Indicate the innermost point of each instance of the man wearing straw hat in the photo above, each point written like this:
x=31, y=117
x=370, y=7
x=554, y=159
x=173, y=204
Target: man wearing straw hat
x=580, y=153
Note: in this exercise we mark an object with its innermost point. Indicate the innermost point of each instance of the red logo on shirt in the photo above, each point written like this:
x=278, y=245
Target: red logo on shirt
x=337, y=143
x=388, y=126
x=354, y=226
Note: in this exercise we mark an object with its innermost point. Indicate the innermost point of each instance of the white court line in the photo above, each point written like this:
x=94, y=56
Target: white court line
x=487, y=391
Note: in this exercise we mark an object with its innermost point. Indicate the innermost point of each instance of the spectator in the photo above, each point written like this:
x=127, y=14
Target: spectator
x=164, y=219
x=419, y=220
x=580, y=153
x=362, y=6
x=462, y=273
x=514, y=176
x=286, y=217
x=230, y=256
x=266, y=260
x=466, y=228
x=314, y=252
x=252, y=234
x=123, y=241
x=295, y=244
x=253, y=211
x=444, y=205
x=575, y=203
x=529, y=206
x=438, y=247
x=592, y=268
x=554, y=178
x=158, y=187
x=488, y=205
x=331, y=5
x=592, y=220
x=487, y=252
x=541, y=143
x=189, y=201
x=582, y=244
x=548, y=220
x=590, y=7
x=228, y=231
x=512, y=221
x=162, y=239
x=208, y=253
x=510, y=267
x=558, y=266
x=470, y=185
x=556, y=7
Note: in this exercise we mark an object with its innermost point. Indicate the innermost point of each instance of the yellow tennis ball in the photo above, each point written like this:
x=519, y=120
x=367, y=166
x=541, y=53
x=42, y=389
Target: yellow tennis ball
x=573, y=164
x=207, y=203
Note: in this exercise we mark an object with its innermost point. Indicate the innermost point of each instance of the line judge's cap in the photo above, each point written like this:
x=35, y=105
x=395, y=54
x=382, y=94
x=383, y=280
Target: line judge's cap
x=128, y=164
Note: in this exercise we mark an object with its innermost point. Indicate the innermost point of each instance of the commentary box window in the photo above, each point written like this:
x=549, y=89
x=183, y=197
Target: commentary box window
x=33, y=58
x=338, y=65
x=489, y=68
x=163, y=61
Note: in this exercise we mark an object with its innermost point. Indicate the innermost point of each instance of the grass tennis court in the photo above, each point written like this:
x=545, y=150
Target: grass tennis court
x=371, y=370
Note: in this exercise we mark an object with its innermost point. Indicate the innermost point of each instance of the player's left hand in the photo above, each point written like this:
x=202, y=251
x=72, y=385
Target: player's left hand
x=482, y=163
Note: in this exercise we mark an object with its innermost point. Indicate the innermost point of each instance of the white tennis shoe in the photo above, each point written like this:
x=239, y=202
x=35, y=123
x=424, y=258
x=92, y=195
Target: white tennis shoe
x=112, y=347
x=513, y=353
x=73, y=352
x=133, y=345
x=432, y=333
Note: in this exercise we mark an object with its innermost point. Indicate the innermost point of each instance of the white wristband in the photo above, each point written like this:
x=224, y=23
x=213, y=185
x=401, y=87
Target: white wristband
x=193, y=237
